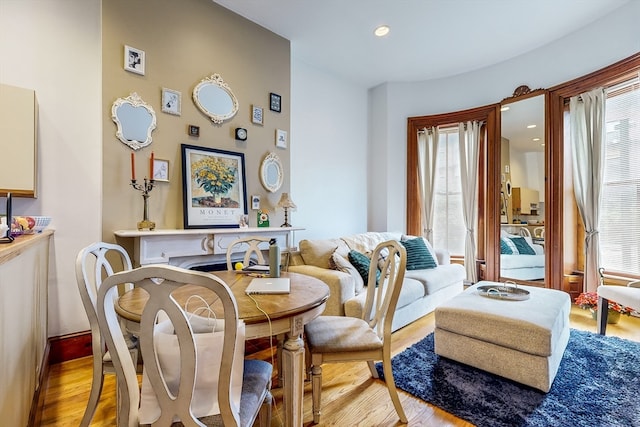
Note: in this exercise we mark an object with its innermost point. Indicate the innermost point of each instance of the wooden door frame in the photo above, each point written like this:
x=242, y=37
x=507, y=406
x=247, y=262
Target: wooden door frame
x=486, y=211
x=557, y=184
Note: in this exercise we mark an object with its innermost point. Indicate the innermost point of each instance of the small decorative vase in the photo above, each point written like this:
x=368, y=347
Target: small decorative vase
x=612, y=317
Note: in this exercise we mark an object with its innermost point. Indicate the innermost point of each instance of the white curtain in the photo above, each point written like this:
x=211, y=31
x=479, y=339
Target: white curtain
x=587, y=124
x=469, y=142
x=427, y=154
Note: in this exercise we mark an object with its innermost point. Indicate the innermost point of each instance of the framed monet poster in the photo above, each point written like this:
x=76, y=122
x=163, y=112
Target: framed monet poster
x=214, y=187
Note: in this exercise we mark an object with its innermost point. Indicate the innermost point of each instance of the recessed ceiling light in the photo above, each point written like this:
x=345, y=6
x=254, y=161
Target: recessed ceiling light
x=536, y=139
x=505, y=108
x=381, y=31
x=531, y=126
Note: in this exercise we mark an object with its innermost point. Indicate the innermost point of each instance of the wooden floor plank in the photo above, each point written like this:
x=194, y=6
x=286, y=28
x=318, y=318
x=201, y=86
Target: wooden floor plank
x=350, y=397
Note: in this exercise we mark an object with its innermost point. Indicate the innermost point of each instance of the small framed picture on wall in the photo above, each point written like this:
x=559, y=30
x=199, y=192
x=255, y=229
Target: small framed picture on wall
x=134, y=60
x=171, y=101
x=275, y=102
x=281, y=138
x=161, y=170
x=257, y=115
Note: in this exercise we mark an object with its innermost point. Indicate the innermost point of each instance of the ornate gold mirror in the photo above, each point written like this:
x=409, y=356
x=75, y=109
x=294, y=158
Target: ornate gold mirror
x=522, y=190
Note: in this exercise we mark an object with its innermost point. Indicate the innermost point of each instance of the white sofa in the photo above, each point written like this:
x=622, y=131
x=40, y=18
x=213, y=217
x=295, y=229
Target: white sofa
x=521, y=266
x=422, y=291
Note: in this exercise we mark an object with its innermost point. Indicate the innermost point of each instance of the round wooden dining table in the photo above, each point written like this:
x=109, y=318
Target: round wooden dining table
x=285, y=314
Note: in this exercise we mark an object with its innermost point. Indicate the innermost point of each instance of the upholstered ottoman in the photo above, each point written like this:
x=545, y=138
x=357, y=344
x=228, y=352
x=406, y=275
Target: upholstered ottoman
x=520, y=340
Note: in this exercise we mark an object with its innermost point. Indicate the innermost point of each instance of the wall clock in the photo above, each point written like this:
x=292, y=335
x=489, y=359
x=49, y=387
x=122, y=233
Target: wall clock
x=241, y=134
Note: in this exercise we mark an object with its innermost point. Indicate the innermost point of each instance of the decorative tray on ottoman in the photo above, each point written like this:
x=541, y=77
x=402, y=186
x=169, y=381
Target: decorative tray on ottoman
x=502, y=291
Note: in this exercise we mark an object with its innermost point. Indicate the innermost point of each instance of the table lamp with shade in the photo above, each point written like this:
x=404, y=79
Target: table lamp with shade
x=286, y=203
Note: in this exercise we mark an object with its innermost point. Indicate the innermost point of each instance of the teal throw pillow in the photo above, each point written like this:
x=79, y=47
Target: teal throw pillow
x=523, y=246
x=505, y=248
x=362, y=264
x=418, y=256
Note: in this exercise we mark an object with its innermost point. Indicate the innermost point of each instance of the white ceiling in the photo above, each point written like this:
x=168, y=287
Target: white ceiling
x=429, y=38
x=462, y=35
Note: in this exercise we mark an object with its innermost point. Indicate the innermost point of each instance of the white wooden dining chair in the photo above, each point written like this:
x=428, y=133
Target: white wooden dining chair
x=333, y=339
x=93, y=264
x=251, y=248
x=159, y=281
x=524, y=232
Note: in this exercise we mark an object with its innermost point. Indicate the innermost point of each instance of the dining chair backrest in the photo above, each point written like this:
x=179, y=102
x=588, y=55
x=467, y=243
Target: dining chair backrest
x=524, y=232
x=93, y=264
x=159, y=281
x=251, y=248
x=386, y=274
x=538, y=232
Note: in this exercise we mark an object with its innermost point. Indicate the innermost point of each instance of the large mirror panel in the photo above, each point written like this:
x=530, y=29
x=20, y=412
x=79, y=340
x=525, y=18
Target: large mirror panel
x=522, y=190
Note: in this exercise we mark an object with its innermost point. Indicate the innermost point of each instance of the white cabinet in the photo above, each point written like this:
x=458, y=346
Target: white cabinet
x=24, y=266
x=18, y=130
x=525, y=201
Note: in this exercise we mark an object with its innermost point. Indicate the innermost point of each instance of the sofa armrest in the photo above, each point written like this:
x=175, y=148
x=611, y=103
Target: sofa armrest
x=443, y=255
x=538, y=249
x=341, y=286
x=295, y=258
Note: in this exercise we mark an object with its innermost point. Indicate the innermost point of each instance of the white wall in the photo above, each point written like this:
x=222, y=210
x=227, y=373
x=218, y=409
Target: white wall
x=328, y=154
x=54, y=48
x=604, y=42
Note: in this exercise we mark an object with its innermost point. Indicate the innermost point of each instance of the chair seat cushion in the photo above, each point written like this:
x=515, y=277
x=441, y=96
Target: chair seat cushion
x=627, y=296
x=257, y=375
x=337, y=334
x=435, y=279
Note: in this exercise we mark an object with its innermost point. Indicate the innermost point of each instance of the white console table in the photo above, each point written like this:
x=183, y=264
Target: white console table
x=195, y=247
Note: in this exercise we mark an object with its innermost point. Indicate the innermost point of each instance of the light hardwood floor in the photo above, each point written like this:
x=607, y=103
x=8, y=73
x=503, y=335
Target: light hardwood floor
x=350, y=397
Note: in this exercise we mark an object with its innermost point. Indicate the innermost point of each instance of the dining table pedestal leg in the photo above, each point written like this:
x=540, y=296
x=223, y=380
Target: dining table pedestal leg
x=293, y=373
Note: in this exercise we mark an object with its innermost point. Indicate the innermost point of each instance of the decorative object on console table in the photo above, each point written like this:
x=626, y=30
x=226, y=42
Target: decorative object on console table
x=286, y=203
x=214, y=187
x=263, y=218
x=145, y=188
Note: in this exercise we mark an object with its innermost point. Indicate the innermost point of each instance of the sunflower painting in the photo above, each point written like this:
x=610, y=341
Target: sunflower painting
x=215, y=193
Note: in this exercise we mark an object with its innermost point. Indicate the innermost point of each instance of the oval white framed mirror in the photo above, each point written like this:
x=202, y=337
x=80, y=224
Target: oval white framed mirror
x=135, y=120
x=214, y=98
x=271, y=172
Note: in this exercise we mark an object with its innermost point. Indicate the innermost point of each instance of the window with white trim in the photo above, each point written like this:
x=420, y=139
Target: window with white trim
x=620, y=210
x=448, y=222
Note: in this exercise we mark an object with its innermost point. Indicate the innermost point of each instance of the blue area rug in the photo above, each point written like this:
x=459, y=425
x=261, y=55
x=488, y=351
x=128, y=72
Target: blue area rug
x=597, y=385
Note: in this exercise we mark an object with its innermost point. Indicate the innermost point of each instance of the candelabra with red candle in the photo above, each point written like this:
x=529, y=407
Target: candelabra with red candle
x=145, y=187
